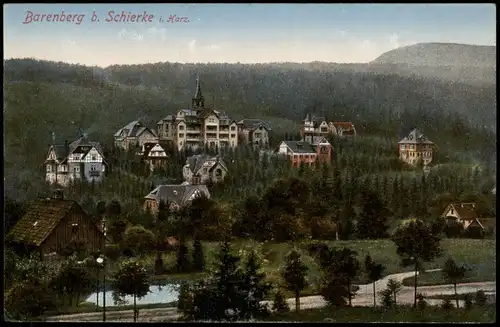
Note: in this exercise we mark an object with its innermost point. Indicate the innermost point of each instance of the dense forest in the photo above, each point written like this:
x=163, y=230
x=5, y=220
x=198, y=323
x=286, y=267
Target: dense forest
x=42, y=97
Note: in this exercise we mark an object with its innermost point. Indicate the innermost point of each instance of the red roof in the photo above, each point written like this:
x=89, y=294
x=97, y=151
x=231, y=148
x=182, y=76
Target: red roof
x=343, y=124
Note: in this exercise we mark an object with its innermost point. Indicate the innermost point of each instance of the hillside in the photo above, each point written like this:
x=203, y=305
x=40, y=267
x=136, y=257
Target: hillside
x=441, y=55
x=44, y=97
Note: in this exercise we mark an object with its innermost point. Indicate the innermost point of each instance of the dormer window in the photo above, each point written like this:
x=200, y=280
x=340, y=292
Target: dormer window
x=324, y=149
x=452, y=211
x=74, y=228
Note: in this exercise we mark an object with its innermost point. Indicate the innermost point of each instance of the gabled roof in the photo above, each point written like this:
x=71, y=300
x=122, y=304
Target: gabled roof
x=40, y=219
x=415, y=137
x=169, y=118
x=316, y=139
x=466, y=211
x=134, y=129
x=343, y=124
x=61, y=152
x=300, y=147
x=178, y=194
x=196, y=162
x=81, y=145
x=84, y=142
x=150, y=145
x=254, y=124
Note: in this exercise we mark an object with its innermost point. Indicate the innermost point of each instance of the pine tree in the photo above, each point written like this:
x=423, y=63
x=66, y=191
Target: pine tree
x=255, y=287
x=294, y=274
x=198, y=256
x=183, y=264
x=372, y=220
x=280, y=304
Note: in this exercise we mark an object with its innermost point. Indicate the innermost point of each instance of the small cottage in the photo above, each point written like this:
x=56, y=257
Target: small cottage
x=53, y=225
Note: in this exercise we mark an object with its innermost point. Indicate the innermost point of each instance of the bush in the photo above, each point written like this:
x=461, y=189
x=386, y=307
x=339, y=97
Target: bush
x=475, y=232
x=481, y=298
x=112, y=251
x=468, y=301
x=421, y=303
x=26, y=300
x=139, y=239
x=279, y=304
x=386, y=298
x=447, y=304
x=453, y=229
x=185, y=301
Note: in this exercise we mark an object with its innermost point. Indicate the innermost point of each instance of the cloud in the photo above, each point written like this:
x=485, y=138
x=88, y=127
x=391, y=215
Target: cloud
x=213, y=47
x=128, y=34
x=157, y=32
x=394, y=40
x=192, y=45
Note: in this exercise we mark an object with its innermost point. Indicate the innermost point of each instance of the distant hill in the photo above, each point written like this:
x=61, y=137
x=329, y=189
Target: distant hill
x=441, y=54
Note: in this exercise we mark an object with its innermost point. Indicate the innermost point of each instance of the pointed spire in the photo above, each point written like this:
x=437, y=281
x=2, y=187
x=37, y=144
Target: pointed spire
x=198, y=99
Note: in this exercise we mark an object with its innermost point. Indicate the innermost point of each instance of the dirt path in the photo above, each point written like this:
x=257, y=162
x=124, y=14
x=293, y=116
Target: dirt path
x=364, y=297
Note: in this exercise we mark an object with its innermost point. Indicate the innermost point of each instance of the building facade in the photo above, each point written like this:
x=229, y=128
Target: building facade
x=52, y=225
x=254, y=132
x=198, y=126
x=415, y=148
x=134, y=134
x=307, y=151
x=175, y=195
x=200, y=169
x=154, y=155
x=79, y=160
x=342, y=129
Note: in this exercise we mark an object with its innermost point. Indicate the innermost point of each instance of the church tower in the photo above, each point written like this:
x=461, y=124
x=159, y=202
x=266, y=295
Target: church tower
x=198, y=99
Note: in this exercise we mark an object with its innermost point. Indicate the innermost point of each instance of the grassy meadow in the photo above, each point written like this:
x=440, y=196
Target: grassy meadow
x=479, y=255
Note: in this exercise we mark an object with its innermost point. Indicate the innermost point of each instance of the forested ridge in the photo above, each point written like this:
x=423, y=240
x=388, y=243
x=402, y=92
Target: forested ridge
x=43, y=97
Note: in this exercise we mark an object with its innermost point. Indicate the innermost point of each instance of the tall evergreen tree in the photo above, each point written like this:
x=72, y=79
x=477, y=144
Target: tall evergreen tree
x=198, y=256
x=294, y=274
x=372, y=220
x=255, y=287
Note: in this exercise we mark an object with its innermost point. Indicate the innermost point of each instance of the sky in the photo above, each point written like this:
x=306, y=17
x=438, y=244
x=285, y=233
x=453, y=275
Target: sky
x=246, y=33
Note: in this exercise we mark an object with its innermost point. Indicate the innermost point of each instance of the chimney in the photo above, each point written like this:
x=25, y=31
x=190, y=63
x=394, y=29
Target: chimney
x=58, y=194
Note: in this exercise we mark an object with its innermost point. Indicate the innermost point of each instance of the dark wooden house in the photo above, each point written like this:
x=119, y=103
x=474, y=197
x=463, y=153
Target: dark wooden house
x=54, y=225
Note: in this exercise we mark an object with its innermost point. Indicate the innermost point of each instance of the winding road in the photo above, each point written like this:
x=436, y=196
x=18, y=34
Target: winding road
x=364, y=297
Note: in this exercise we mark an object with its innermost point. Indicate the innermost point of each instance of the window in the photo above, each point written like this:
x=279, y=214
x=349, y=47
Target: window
x=233, y=136
x=75, y=157
x=324, y=149
x=94, y=158
x=233, y=128
x=205, y=170
x=181, y=128
x=74, y=228
x=452, y=212
x=49, y=168
x=181, y=135
x=92, y=167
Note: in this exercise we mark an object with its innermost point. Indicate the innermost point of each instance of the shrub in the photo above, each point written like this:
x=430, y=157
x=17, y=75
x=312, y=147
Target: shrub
x=386, y=298
x=112, y=252
x=481, y=298
x=453, y=229
x=468, y=301
x=475, y=232
x=447, y=304
x=421, y=303
x=279, y=304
